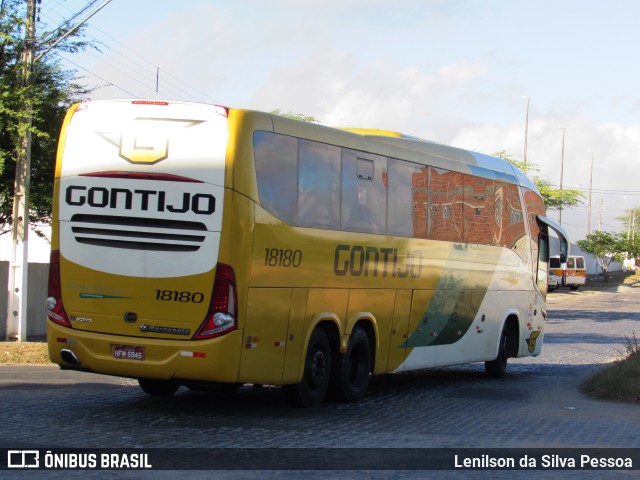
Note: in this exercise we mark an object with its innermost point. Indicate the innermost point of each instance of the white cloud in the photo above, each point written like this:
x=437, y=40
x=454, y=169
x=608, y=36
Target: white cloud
x=338, y=90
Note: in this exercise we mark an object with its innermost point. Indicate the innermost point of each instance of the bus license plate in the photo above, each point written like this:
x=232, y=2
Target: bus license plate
x=127, y=352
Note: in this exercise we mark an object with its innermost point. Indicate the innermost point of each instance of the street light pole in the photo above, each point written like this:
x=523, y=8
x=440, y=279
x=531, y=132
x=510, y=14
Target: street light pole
x=526, y=131
x=561, y=174
x=590, y=188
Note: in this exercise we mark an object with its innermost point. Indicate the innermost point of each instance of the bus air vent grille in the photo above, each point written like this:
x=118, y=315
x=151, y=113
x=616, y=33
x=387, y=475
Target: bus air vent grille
x=135, y=233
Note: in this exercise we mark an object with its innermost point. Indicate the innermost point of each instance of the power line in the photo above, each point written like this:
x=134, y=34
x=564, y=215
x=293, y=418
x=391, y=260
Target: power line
x=152, y=64
x=95, y=75
x=134, y=75
x=603, y=191
x=67, y=22
x=133, y=67
x=59, y=38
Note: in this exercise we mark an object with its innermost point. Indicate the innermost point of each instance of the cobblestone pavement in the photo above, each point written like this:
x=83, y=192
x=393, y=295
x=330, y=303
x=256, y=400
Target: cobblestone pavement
x=538, y=404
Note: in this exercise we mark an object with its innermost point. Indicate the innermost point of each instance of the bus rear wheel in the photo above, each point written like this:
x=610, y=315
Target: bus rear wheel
x=317, y=370
x=353, y=370
x=158, y=388
x=498, y=368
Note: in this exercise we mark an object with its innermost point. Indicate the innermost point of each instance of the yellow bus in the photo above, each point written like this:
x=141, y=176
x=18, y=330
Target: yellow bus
x=197, y=245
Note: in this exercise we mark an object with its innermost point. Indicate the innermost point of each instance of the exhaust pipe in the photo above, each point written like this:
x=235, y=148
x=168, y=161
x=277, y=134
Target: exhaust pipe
x=69, y=357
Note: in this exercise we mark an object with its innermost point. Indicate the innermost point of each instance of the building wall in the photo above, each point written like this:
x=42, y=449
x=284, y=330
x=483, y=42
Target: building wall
x=36, y=306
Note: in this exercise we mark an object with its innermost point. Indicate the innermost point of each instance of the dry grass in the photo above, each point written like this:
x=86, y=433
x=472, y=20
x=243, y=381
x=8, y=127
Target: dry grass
x=621, y=380
x=34, y=353
x=597, y=283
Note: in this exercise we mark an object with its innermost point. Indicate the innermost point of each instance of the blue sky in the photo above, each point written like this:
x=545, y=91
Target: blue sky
x=452, y=71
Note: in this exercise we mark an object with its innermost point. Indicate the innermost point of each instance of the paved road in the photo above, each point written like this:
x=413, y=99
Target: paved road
x=537, y=405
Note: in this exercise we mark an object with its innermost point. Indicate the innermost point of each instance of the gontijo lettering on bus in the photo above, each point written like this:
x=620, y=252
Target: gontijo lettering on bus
x=138, y=199
x=361, y=260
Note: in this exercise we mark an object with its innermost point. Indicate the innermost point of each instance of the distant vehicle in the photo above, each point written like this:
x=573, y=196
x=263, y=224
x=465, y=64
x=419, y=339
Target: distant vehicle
x=575, y=272
x=572, y=274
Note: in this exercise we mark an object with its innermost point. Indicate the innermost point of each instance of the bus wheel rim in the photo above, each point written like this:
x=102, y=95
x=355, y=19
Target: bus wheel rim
x=318, y=368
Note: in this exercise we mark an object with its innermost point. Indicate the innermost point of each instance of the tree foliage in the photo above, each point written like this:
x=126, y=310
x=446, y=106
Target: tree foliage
x=606, y=247
x=633, y=248
x=554, y=198
x=296, y=116
x=51, y=92
x=631, y=220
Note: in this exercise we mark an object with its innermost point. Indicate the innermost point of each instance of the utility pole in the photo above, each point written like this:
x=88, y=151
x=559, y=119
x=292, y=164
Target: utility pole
x=561, y=175
x=600, y=215
x=17, y=301
x=18, y=274
x=590, y=188
x=526, y=132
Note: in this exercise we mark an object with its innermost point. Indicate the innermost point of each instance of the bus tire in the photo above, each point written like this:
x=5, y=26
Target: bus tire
x=574, y=287
x=498, y=368
x=351, y=375
x=317, y=370
x=158, y=388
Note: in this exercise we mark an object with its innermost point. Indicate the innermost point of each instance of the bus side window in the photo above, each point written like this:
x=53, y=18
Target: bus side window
x=446, y=191
x=276, y=160
x=478, y=210
x=543, y=262
x=511, y=219
x=318, y=185
x=408, y=199
x=535, y=207
x=364, y=192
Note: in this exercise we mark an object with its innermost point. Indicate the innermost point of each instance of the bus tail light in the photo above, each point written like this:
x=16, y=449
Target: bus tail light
x=55, y=309
x=222, y=315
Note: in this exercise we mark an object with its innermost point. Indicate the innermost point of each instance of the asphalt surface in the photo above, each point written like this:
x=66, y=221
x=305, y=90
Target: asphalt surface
x=538, y=405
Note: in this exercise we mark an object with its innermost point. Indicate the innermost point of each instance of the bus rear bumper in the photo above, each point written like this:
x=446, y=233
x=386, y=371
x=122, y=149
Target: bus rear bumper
x=214, y=360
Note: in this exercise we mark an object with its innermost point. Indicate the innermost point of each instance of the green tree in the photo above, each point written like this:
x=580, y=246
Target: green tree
x=296, y=116
x=554, y=198
x=631, y=220
x=607, y=247
x=632, y=247
x=51, y=92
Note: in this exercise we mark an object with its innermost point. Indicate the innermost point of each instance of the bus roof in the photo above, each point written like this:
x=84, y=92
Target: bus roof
x=428, y=147
x=473, y=159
